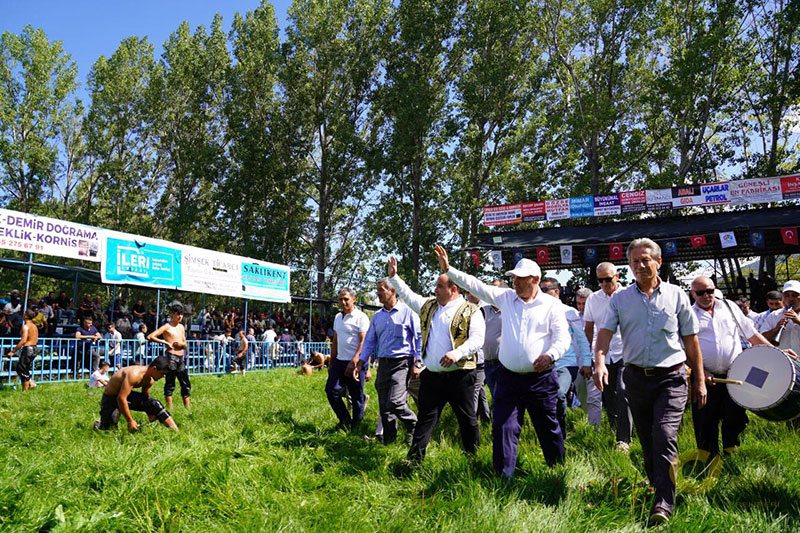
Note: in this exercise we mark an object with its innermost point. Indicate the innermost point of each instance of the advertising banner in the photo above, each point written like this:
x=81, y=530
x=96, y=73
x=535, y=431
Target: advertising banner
x=534, y=212
x=790, y=187
x=502, y=214
x=210, y=272
x=633, y=201
x=265, y=281
x=557, y=209
x=686, y=196
x=138, y=260
x=581, y=207
x=606, y=205
x=716, y=193
x=658, y=199
x=755, y=191
x=42, y=235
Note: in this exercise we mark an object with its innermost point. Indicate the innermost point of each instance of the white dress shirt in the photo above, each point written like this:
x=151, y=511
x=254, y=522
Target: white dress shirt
x=494, y=332
x=530, y=329
x=719, y=335
x=439, y=342
x=596, y=308
x=790, y=338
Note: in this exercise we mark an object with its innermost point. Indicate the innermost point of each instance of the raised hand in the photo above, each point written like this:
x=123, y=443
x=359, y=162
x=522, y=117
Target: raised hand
x=391, y=267
x=441, y=255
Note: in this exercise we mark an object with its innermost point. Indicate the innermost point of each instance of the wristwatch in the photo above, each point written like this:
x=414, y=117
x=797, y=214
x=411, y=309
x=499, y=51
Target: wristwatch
x=419, y=364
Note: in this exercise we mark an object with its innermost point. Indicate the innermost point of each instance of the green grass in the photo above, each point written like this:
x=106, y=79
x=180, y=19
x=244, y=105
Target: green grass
x=258, y=454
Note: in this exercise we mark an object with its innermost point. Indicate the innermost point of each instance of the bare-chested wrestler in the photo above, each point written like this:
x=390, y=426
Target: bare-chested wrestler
x=173, y=336
x=119, y=396
x=28, y=349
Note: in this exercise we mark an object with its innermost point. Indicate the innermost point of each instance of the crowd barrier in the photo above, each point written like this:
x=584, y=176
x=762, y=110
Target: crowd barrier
x=65, y=359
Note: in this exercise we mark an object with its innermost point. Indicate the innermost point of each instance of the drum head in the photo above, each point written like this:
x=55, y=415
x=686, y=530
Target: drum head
x=767, y=375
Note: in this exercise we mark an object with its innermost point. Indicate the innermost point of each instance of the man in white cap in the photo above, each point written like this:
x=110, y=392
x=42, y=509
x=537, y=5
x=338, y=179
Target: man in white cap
x=535, y=335
x=782, y=327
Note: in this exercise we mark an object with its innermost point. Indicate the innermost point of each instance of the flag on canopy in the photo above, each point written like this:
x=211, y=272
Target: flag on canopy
x=542, y=255
x=615, y=251
x=518, y=255
x=497, y=259
x=757, y=239
x=566, y=254
x=590, y=255
x=789, y=236
x=670, y=248
x=476, y=258
x=698, y=240
x=727, y=239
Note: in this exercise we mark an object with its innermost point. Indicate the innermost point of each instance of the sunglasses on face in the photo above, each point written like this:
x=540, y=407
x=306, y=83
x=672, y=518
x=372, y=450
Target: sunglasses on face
x=606, y=280
x=545, y=289
x=703, y=292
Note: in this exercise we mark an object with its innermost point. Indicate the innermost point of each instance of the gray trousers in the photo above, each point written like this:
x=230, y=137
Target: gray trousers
x=481, y=402
x=616, y=403
x=392, y=387
x=657, y=404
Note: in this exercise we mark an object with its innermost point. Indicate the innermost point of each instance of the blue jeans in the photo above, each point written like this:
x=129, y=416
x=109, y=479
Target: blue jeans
x=566, y=375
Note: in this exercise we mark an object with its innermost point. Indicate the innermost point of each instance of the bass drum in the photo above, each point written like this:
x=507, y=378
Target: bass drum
x=770, y=383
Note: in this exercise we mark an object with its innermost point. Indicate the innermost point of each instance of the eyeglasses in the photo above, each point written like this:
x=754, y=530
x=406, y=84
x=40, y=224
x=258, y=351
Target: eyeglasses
x=545, y=289
x=606, y=280
x=707, y=291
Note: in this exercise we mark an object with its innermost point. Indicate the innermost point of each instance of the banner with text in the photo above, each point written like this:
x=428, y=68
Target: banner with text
x=25, y=232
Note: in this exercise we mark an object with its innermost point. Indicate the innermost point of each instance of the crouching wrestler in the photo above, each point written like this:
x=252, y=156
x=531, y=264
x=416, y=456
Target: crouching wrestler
x=119, y=396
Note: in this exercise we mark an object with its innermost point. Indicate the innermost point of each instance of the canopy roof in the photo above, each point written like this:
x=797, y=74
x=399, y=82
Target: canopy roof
x=68, y=273
x=660, y=229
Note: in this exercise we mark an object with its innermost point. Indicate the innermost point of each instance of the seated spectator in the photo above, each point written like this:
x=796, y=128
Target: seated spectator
x=99, y=378
x=14, y=304
x=139, y=311
x=152, y=315
x=63, y=308
x=40, y=320
x=47, y=310
x=100, y=316
x=5, y=324
x=51, y=298
x=122, y=307
x=124, y=326
x=86, y=308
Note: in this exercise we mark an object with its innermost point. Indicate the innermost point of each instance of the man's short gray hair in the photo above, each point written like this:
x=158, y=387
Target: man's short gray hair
x=347, y=290
x=655, y=249
x=583, y=292
x=605, y=265
x=386, y=283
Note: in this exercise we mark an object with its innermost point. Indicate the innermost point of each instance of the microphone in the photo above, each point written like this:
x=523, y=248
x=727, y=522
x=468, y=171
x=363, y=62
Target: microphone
x=777, y=340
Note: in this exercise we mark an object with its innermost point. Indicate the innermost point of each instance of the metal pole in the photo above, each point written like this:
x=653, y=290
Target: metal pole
x=113, y=300
x=158, y=307
x=75, y=291
x=245, y=317
x=310, y=300
x=202, y=309
x=27, y=286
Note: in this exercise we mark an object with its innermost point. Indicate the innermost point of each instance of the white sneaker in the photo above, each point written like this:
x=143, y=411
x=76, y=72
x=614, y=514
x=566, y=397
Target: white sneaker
x=623, y=447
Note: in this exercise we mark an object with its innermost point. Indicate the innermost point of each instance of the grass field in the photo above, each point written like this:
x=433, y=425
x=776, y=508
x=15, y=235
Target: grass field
x=259, y=454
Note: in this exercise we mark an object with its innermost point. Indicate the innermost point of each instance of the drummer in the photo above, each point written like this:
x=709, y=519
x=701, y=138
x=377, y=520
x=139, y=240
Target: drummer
x=722, y=324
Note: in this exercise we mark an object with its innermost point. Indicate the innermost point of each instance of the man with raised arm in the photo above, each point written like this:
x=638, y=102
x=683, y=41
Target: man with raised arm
x=452, y=334
x=120, y=398
x=535, y=335
x=393, y=338
x=173, y=336
x=659, y=337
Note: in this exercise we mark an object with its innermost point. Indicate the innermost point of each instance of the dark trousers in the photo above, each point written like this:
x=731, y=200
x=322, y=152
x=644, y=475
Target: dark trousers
x=616, y=403
x=137, y=401
x=566, y=375
x=514, y=394
x=657, y=404
x=490, y=368
x=336, y=385
x=177, y=368
x=719, y=407
x=392, y=387
x=437, y=389
x=25, y=362
x=481, y=402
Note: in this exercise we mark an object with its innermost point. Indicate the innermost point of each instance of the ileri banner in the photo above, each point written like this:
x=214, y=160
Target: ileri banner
x=25, y=232
x=137, y=260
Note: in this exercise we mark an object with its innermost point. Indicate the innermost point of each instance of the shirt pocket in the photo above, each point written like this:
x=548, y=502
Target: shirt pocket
x=399, y=332
x=666, y=321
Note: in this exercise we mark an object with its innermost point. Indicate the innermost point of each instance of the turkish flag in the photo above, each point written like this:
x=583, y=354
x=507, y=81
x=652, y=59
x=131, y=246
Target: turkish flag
x=542, y=255
x=476, y=258
x=789, y=236
x=698, y=240
x=615, y=251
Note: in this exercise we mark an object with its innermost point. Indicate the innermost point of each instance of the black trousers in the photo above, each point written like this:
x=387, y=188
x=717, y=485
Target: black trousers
x=137, y=401
x=177, y=368
x=719, y=408
x=437, y=389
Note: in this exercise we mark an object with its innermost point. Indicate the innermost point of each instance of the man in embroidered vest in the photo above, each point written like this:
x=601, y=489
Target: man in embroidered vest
x=452, y=334
x=535, y=336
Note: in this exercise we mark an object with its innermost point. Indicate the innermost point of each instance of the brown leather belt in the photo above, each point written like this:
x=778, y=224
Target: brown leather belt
x=654, y=371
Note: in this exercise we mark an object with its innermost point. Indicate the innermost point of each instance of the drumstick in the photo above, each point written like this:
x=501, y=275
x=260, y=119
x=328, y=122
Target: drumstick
x=728, y=381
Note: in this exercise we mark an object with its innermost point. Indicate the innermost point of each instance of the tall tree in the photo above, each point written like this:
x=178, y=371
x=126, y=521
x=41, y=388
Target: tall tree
x=124, y=167
x=330, y=68
x=262, y=203
x=412, y=115
x=191, y=131
x=37, y=80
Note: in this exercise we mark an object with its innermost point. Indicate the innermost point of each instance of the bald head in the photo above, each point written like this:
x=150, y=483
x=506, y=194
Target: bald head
x=607, y=277
x=703, y=291
x=702, y=282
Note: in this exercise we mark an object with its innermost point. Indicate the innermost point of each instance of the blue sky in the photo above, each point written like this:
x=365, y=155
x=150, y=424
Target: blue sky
x=89, y=29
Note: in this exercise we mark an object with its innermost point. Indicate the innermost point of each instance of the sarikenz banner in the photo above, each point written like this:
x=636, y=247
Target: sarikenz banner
x=737, y=192
x=26, y=232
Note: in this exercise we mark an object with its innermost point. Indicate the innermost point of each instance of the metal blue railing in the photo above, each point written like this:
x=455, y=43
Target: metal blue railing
x=66, y=359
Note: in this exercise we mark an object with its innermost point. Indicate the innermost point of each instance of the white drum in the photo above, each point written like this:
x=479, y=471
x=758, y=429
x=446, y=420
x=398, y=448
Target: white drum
x=770, y=383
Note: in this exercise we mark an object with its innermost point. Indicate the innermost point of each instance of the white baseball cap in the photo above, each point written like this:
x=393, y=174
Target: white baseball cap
x=525, y=268
x=792, y=285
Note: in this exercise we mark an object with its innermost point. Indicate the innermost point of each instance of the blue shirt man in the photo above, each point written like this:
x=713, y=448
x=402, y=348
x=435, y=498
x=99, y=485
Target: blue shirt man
x=394, y=338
